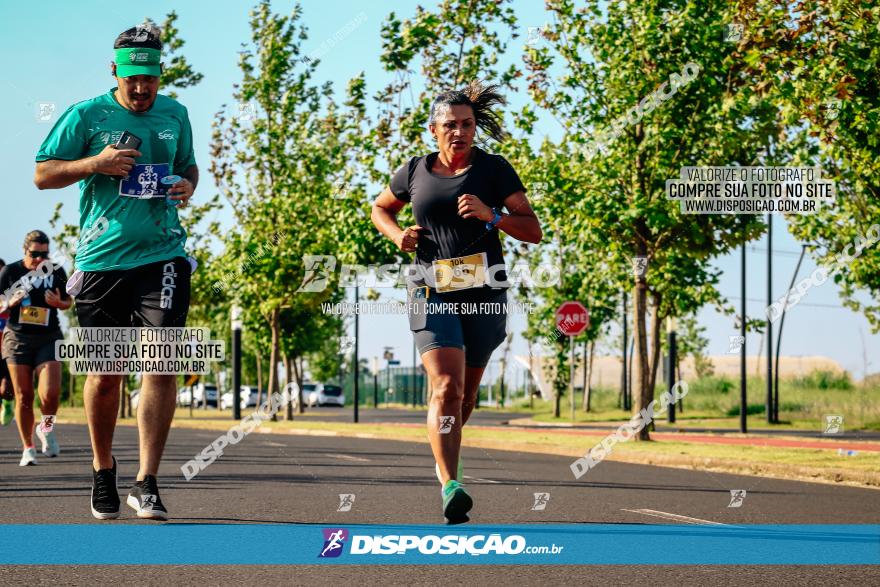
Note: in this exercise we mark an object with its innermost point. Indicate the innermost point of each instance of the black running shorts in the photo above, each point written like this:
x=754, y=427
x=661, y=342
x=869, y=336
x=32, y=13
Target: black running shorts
x=153, y=295
x=477, y=327
x=29, y=349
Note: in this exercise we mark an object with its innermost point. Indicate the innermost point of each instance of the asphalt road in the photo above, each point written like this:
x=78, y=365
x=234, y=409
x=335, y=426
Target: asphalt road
x=292, y=479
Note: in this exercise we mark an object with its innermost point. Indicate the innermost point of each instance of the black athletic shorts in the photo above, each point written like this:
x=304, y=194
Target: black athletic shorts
x=153, y=295
x=29, y=349
x=476, y=327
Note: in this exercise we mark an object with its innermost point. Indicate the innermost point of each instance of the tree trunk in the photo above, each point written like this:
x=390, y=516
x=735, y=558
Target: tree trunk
x=300, y=378
x=656, y=336
x=640, y=374
x=678, y=378
x=259, y=377
x=588, y=373
x=287, y=381
x=216, y=367
x=273, y=360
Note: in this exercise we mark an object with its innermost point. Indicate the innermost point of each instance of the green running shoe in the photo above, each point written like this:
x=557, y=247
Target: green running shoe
x=6, y=412
x=459, y=475
x=456, y=503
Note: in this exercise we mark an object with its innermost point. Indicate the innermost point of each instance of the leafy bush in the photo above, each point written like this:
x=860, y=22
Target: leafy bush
x=750, y=411
x=719, y=384
x=820, y=379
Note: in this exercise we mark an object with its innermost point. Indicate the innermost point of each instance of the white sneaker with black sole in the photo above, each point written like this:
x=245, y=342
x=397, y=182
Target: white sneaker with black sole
x=144, y=499
x=28, y=457
x=105, y=493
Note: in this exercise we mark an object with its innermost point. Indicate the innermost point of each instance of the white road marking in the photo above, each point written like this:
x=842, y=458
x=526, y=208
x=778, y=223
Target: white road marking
x=481, y=480
x=347, y=458
x=674, y=517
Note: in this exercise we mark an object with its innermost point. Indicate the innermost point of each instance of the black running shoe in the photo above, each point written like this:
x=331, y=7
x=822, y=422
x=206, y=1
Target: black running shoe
x=144, y=498
x=105, y=497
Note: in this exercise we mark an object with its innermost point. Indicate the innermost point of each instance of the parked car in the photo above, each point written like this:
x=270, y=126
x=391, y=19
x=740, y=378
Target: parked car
x=184, y=396
x=324, y=394
x=248, y=396
x=198, y=392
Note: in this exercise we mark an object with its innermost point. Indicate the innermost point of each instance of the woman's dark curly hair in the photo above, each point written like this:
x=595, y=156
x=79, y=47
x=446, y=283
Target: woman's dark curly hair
x=482, y=99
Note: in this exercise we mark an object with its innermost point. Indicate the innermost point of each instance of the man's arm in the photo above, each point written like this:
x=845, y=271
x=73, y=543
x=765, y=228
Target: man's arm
x=192, y=174
x=57, y=173
x=183, y=189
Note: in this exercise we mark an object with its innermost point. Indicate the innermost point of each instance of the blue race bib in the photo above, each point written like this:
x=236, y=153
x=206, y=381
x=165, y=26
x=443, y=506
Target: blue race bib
x=143, y=181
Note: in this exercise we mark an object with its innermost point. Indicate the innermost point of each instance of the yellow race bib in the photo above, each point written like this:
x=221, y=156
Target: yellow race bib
x=34, y=315
x=460, y=272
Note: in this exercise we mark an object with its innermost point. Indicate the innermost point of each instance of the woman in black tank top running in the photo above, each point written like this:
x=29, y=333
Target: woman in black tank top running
x=461, y=197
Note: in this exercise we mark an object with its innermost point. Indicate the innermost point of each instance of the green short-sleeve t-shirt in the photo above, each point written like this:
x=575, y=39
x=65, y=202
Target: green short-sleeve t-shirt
x=139, y=230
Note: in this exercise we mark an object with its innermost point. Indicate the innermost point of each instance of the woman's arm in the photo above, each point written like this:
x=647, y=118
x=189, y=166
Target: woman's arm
x=384, y=217
x=520, y=221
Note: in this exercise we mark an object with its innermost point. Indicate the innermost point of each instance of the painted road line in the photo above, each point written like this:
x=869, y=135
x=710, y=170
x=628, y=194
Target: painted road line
x=347, y=458
x=674, y=517
x=482, y=480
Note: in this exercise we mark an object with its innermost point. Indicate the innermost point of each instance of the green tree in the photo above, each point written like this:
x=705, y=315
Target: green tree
x=290, y=158
x=818, y=62
x=612, y=57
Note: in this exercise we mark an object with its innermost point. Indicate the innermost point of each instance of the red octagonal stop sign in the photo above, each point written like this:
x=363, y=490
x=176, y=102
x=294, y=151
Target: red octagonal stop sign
x=572, y=318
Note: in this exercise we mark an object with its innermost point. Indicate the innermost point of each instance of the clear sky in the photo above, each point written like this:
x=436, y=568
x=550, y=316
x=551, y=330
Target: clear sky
x=58, y=52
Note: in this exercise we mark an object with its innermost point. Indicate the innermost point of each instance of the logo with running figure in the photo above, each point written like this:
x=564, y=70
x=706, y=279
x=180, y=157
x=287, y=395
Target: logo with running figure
x=45, y=110
x=639, y=265
x=334, y=540
x=346, y=501
x=541, y=501
x=736, y=343
x=737, y=497
x=446, y=423
x=833, y=424
x=319, y=268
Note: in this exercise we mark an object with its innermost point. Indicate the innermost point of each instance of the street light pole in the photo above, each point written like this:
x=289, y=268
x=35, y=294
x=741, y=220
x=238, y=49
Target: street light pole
x=356, y=366
x=743, y=399
x=771, y=419
x=235, y=316
x=670, y=371
x=623, y=381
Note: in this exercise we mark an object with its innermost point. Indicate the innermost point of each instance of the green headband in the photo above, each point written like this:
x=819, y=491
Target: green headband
x=138, y=61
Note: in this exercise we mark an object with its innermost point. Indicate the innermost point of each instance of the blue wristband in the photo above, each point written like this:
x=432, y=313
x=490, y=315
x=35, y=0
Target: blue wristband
x=495, y=220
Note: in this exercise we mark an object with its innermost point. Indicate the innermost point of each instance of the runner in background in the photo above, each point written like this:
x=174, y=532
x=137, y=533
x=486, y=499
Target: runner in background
x=7, y=394
x=34, y=291
x=131, y=150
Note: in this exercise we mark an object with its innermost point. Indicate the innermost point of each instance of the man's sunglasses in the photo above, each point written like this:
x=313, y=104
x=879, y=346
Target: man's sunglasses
x=38, y=254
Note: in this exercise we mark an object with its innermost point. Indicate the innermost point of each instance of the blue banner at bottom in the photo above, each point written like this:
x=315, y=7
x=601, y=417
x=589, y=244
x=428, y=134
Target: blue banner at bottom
x=570, y=544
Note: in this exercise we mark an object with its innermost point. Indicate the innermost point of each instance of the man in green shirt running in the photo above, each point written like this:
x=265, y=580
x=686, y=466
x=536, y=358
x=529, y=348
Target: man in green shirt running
x=135, y=273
